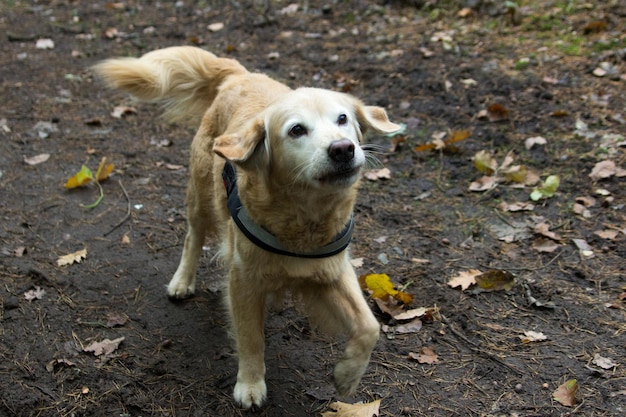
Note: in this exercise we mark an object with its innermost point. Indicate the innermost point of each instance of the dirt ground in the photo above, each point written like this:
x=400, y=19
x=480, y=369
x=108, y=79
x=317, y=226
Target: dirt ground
x=502, y=73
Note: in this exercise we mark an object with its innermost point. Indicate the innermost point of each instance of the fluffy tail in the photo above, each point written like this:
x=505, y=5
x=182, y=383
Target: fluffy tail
x=184, y=79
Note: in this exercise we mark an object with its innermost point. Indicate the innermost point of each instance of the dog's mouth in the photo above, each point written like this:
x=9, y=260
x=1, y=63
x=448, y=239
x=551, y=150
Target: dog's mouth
x=346, y=175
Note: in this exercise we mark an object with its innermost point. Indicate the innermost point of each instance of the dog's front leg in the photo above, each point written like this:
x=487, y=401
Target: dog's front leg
x=247, y=309
x=345, y=301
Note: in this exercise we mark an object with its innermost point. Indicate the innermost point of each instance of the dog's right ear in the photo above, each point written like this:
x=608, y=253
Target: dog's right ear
x=238, y=147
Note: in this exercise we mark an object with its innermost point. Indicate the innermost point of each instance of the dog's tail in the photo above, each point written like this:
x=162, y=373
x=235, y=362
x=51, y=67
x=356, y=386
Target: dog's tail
x=184, y=79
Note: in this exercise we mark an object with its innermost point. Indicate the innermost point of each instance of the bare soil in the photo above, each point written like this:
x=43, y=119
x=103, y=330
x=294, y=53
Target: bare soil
x=421, y=227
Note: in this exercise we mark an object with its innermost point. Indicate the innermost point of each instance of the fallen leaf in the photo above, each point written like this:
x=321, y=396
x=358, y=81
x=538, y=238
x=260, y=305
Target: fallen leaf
x=602, y=362
x=79, y=179
x=427, y=355
x=583, y=248
x=105, y=347
x=37, y=159
x=72, y=258
x=543, y=229
x=413, y=326
x=382, y=287
x=531, y=336
x=547, y=189
x=339, y=409
x=53, y=363
x=536, y=140
x=439, y=143
x=378, y=174
x=497, y=112
x=411, y=314
x=495, y=280
x=485, y=162
x=517, y=206
x=116, y=319
x=606, y=169
x=35, y=294
x=464, y=279
x=566, y=393
x=609, y=234
x=389, y=306
x=104, y=170
x=545, y=245
x=484, y=184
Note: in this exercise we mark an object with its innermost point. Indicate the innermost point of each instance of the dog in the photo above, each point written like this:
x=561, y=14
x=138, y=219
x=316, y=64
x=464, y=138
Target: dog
x=274, y=173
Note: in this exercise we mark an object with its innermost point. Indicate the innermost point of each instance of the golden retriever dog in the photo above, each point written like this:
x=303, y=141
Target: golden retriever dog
x=274, y=173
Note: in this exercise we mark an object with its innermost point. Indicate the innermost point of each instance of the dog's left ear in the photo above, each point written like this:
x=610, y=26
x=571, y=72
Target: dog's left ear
x=375, y=118
x=238, y=147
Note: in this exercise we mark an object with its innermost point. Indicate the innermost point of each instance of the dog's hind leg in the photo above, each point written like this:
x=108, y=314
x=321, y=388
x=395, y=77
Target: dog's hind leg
x=183, y=283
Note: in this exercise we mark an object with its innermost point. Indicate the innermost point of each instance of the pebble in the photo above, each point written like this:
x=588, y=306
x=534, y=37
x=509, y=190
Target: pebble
x=11, y=303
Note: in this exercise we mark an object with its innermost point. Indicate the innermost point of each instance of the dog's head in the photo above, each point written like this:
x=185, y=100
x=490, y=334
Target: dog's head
x=308, y=136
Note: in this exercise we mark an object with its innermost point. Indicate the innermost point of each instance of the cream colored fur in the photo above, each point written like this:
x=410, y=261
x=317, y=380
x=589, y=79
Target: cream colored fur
x=290, y=183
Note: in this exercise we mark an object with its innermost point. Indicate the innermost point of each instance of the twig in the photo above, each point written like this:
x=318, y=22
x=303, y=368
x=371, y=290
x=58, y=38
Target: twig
x=473, y=346
x=127, y=216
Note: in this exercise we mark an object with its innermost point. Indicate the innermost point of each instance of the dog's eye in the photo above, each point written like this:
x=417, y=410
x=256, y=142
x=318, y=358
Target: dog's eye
x=297, y=131
x=342, y=119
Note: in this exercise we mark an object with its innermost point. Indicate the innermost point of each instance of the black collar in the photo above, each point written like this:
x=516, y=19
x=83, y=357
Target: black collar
x=264, y=239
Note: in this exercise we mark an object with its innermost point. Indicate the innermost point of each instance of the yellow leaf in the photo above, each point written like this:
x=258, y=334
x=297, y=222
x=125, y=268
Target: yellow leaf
x=485, y=162
x=382, y=287
x=104, y=170
x=495, y=280
x=566, y=393
x=81, y=178
x=71, y=258
x=339, y=409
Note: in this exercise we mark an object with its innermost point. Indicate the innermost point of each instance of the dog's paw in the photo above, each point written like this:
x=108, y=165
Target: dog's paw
x=177, y=290
x=347, y=375
x=249, y=395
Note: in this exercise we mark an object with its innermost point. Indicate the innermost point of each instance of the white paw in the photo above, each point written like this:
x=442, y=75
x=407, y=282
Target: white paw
x=180, y=288
x=347, y=375
x=250, y=394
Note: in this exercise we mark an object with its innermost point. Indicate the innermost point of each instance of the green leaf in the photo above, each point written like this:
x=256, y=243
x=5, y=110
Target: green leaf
x=547, y=189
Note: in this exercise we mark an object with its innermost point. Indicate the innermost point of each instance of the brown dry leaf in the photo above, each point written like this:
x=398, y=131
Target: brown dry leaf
x=609, y=234
x=72, y=258
x=378, y=174
x=439, y=143
x=116, y=319
x=105, y=347
x=411, y=314
x=339, y=409
x=37, y=159
x=566, y=393
x=517, y=206
x=497, y=112
x=389, y=306
x=413, y=326
x=545, y=245
x=495, y=280
x=543, y=229
x=464, y=279
x=483, y=184
x=356, y=262
x=586, y=201
x=427, y=355
x=606, y=169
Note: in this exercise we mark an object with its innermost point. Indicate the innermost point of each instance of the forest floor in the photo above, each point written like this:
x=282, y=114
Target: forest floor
x=527, y=92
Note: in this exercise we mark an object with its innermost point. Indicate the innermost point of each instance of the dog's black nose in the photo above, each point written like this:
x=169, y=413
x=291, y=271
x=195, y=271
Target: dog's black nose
x=341, y=150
